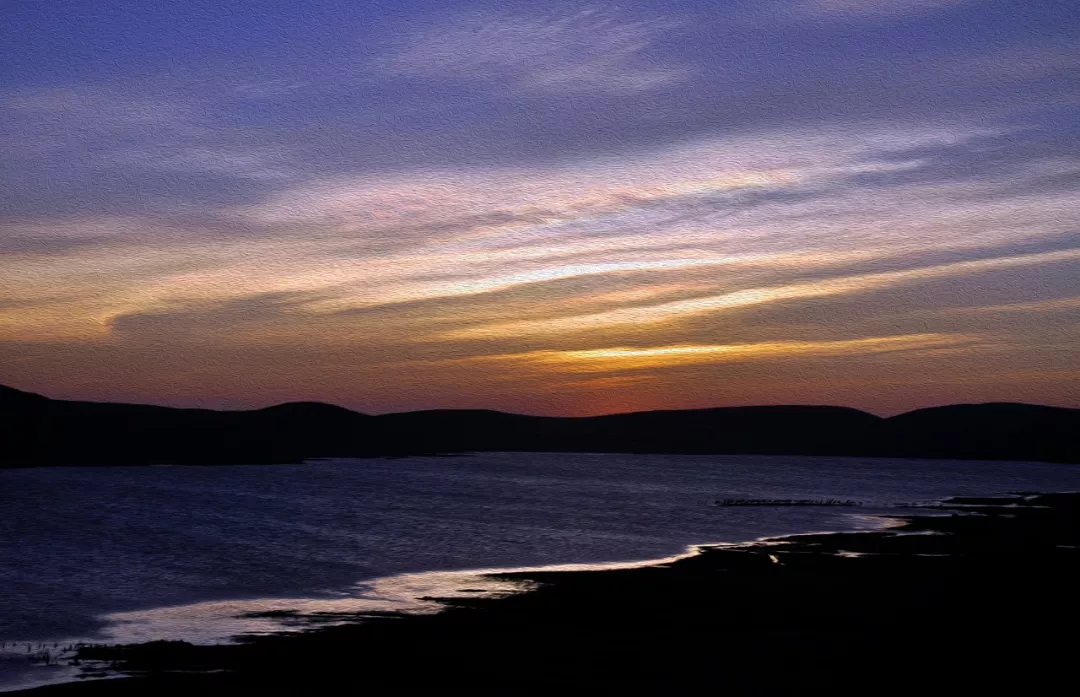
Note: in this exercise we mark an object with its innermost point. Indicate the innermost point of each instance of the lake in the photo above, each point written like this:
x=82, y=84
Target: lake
x=135, y=553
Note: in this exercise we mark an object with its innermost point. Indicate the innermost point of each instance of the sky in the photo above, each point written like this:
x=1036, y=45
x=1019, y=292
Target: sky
x=561, y=208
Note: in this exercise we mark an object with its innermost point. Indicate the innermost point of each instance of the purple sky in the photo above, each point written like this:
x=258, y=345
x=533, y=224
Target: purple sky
x=562, y=208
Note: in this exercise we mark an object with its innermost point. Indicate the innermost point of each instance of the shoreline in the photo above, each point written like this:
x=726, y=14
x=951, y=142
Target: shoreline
x=393, y=595
x=397, y=593
x=778, y=584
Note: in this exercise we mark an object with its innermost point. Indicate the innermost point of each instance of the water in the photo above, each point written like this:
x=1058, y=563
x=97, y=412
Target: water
x=131, y=554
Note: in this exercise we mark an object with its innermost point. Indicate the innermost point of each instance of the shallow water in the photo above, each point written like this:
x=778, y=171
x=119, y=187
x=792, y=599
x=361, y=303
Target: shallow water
x=127, y=554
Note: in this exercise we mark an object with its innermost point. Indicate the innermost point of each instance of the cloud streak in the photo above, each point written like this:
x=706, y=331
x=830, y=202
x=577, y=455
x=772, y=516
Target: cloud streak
x=667, y=312
x=584, y=52
x=622, y=358
x=876, y=9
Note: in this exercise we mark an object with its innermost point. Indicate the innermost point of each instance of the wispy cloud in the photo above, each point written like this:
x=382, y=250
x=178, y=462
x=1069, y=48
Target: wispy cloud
x=666, y=312
x=101, y=106
x=1049, y=305
x=624, y=358
x=700, y=228
x=89, y=150
x=1016, y=64
x=259, y=163
x=874, y=8
x=72, y=117
x=588, y=51
x=550, y=278
x=264, y=89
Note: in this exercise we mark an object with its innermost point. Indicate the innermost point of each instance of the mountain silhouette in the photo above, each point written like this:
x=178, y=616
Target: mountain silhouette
x=43, y=431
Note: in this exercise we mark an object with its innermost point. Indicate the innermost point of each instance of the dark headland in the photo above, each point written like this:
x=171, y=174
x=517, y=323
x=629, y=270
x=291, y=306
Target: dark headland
x=978, y=598
x=39, y=431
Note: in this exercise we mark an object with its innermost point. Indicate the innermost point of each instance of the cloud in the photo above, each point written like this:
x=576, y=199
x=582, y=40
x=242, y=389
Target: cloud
x=259, y=163
x=624, y=358
x=98, y=106
x=591, y=51
x=209, y=321
x=1049, y=305
x=762, y=248
x=846, y=9
x=728, y=218
x=129, y=147
x=703, y=175
x=268, y=89
x=1017, y=63
x=679, y=309
x=90, y=120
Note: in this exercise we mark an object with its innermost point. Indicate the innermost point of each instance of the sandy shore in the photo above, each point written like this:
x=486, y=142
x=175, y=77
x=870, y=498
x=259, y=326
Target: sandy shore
x=974, y=595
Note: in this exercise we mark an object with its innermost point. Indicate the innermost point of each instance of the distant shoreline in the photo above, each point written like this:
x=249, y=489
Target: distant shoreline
x=48, y=432
x=984, y=578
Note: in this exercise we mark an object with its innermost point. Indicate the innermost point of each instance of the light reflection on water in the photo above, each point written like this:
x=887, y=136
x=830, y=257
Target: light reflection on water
x=414, y=593
x=226, y=621
x=219, y=621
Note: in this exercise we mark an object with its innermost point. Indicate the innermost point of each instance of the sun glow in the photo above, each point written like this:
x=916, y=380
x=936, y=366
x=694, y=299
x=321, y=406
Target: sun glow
x=623, y=358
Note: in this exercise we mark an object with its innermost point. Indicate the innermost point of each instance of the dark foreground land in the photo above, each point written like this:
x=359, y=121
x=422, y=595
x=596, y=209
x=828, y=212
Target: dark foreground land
x=979, y=598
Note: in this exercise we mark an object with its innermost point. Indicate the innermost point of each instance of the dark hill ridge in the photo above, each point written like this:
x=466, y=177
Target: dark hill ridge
x=39, y=431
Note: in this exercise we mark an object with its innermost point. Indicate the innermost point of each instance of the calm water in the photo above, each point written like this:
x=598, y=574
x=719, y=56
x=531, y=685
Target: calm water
x=122, y=554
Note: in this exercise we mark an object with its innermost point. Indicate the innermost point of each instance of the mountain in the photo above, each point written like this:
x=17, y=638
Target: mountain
x=1001, y=430
x=42, y=431
x=50, y=432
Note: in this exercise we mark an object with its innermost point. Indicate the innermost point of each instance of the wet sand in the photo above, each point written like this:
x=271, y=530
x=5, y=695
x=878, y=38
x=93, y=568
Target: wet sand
x=974, y=595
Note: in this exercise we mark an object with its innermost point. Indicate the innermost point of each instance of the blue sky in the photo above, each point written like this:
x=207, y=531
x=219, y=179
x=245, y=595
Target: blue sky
x=551, y=207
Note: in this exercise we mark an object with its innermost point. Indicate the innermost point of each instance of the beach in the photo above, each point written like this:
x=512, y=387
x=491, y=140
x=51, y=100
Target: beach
x=972, y=593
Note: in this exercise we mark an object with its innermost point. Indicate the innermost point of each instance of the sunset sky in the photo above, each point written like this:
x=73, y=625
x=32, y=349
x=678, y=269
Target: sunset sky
x=552, y=208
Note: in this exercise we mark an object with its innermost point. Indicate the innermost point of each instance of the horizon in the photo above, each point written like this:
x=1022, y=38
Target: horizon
x=880, y=415
x=580, y=209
